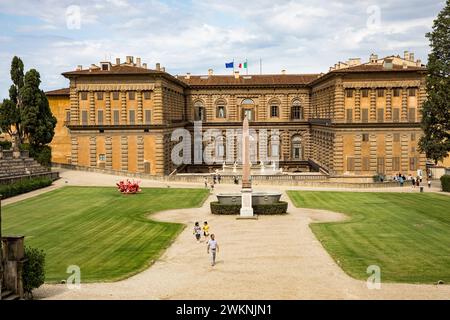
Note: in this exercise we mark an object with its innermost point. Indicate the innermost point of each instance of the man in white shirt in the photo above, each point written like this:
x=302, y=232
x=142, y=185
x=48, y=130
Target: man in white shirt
x=214, y=248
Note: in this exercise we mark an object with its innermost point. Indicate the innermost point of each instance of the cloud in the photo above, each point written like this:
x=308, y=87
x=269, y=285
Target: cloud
x=194, y=35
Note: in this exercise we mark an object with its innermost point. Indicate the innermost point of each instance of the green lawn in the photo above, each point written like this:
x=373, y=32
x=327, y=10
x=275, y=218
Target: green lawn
x=104, y=232
x=406, y=234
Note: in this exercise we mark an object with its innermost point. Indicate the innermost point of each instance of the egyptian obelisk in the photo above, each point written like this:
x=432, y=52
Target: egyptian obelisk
x=246, y=192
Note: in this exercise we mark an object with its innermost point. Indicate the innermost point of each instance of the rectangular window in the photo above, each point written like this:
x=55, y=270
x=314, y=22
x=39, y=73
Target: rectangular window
x=116, y=117
x=350, y=164
x=380, y=115
x=84, y=117
x=365, y=93
x=84, y=95
x=396, y=92
x=412, y=92
x=396, y=114
x=132, y=114
x=148, y=116
x=349, y=93
x=412, y=163
x=146, y=167
x=396, y=163
x=365, y=115
x=413, y=137
x=67, y=115
x=365, y=164
x=274, y=111
x=396, y=137
x=102, y=157
x=349, y=115
x=412, y=114
x=365, y=137
x=99, y=116
x=380, y=93
x=380, y=165
x=131, y=95
x=99, y=95
x=147, y=95
x=115, y=95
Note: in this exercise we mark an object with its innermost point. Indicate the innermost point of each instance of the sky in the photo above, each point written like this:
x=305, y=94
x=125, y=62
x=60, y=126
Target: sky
x=307, y=36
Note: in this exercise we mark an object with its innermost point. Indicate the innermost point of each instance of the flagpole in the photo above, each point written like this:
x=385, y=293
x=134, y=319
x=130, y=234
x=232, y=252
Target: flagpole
x=233, y=66
x=260, y=66
x=246, y=64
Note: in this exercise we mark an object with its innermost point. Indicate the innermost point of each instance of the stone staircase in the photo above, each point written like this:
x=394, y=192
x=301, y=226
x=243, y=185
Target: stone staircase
x=20, y=167
x=9, y=295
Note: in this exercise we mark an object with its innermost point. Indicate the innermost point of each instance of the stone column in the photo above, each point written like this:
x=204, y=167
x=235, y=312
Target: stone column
x=140, y=110
x=389, y=104
x=388, y=151
x=421, y=99
x=158, y=116
x=140, y=153
x=404, y=145
x=124, y=153
x=74, y=106
x=74, y=151
x=123, y=112
x=357, y=105
x=92, y=151
x=404, y=111
x=373, y=152
x=358, y=166
x=339, y=112
x=373, y=105
x=108, y=149
x=338, y=154
x=159, y=154
x=108, y=107
x=91, y=108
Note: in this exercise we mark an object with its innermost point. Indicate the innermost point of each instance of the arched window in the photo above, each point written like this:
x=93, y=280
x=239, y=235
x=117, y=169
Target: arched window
x=296, y=110
x=247, y=109
x=297, y=150
x=199, y=111
x=221, y=111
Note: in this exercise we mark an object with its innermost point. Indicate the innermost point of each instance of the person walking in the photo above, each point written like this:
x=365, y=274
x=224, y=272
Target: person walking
x=206, y=183
x=197, y=231
x=429, y=183
x=219, y=177
x=213, y=247
x=205, y=229
x=413, y=182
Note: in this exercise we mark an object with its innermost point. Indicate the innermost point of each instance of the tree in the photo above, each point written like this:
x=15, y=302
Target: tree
x=436, y=110
x=27, y=110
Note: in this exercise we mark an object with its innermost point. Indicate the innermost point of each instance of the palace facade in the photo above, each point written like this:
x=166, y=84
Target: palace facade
x=358, y=119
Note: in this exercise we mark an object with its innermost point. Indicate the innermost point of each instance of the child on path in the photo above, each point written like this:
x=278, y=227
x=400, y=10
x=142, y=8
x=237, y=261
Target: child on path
x=205, y=229
x=197, y=231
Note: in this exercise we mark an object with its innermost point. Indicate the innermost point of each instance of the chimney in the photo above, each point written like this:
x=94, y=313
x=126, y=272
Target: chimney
x=129, y=59
x=210, y=72
x=283, y=71
x=79, y=67
x=92, y=67
x=188, y=75
x=419, y=63
x=405, y=65
x=144, y=65
x=158, y=66
x=411, y=56
x=138, y=62
x=163, y=69
x=117, y=61
x=406, y=55
x=236, y=74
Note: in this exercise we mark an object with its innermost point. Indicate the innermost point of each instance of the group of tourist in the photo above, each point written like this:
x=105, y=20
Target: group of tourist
x=216, y=178
x=212, y=246
x=415, y=181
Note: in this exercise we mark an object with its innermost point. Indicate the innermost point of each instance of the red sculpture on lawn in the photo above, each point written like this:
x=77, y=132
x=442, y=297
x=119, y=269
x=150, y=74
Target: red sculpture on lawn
x=128, y=187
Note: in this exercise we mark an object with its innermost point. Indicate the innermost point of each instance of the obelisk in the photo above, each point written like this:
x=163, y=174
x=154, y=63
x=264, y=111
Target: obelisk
x=246, y=192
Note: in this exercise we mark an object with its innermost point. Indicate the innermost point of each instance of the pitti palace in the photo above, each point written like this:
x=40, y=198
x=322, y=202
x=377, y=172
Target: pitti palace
x=358, y=120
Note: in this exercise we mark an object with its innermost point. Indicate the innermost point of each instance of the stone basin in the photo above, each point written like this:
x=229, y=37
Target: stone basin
x=257, y=198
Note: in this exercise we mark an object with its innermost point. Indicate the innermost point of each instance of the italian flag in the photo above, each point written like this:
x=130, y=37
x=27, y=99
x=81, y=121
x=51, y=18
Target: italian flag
x=244, y=65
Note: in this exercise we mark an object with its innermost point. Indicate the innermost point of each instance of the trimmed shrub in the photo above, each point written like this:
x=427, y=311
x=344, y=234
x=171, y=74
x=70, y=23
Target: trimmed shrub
x=23, y=186
x=445, y=182
x=261, y=209
x=5, y=145
x=33, y=273
x=42, y=154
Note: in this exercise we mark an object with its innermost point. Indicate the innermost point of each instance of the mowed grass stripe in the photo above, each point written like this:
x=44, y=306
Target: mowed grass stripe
x=406, y=234
x=105, y=233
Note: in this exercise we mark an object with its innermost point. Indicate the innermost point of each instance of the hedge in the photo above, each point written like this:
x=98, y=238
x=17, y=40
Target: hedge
x=33, y=273
x=261, y=209
x=5, y=145
x=23, y=186
x=445, y=182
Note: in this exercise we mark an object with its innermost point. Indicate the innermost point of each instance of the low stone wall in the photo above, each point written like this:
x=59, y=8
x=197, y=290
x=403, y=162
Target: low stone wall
x=51, y=175
x=308, y=180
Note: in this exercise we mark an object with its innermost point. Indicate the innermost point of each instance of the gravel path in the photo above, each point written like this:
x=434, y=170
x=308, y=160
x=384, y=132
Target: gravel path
x=274, y=257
